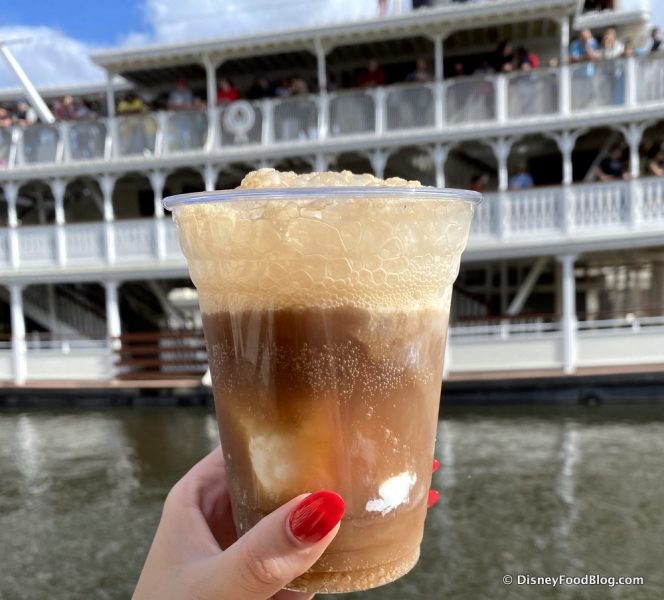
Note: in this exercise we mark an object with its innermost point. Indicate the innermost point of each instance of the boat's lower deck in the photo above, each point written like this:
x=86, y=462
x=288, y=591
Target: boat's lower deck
x=565, y=314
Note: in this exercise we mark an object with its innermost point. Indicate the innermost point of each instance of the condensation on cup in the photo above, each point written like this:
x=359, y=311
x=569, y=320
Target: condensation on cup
x=325, y=300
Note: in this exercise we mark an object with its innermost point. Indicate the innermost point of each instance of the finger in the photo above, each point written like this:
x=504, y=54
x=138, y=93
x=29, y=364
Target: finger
x=198, y=507
x=205, y=483
x=278, y=549
x=435, y=465
x=432, y=498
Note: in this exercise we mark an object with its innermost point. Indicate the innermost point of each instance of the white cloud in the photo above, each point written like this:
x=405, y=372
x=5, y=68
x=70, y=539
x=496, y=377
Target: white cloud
x=657, y=9
x=173, y=20
x=49, y=58
x=135, y=38
x=53, y=58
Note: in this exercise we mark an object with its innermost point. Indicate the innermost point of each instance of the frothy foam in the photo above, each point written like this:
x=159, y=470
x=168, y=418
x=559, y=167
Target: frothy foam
x=369, y=252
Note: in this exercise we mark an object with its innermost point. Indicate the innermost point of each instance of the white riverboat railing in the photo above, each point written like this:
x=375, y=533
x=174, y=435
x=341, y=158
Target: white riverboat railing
x=534, y=211
x=481, y=345
x=503, y=328
x=533, y=93
x=534, y=326
x=480, y=101
x=534, y=216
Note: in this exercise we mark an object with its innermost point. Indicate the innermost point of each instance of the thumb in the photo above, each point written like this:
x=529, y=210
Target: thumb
x=279, y=548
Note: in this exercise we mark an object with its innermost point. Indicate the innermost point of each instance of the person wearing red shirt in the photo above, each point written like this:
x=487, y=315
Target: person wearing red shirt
x=226, y=91
x=372, y=76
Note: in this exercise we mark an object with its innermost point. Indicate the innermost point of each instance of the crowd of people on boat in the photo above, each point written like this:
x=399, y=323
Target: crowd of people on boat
x=507, y=58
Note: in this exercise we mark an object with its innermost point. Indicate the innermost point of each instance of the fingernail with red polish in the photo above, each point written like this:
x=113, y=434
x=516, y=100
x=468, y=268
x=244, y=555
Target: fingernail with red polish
x=433, y=498
x=314, y=517
x=435, y=465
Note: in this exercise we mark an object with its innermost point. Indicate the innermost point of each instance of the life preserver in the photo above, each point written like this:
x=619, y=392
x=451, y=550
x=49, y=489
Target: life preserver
x=239, y=117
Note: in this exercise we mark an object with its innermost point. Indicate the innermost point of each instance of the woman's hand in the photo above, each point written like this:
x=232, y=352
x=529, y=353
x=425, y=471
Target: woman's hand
x=196, y=555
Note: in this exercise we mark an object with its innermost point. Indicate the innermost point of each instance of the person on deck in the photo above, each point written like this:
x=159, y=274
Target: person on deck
x=522, y=179
x=612, y=167
x=372, y=76
x=181, y=98
x=584, y=48
x=226, y=91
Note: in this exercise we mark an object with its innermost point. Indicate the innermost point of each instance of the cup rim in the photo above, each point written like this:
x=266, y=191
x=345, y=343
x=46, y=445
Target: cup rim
x=294, y=193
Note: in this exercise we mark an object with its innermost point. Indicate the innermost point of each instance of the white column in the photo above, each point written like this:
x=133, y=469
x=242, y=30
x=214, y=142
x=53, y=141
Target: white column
x=564, y=85
x=19, y=351
x=161, y=137
x=564, y=39
x=211, y=86
x=439, y=156
x=501, y=148
x=267, y=132
x=107, y=183
x=569, y=320
x=113, y=323
x=58, y=187
x=320, y=52
x=320, y=162
x=323, y=115
x=210, y=177
x=63, y=151
x=378, y=160
x=11, y=195
x=112, y=142
x=565, y=142
x=110, y=95
x=501, y=82
x=634, y=134
x=323, y=98
x=157, y=181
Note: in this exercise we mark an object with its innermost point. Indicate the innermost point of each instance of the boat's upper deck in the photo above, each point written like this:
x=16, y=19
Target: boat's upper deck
x=440, y=21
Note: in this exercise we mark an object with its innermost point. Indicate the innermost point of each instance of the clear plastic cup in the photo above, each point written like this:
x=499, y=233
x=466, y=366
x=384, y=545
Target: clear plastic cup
x=325, y=313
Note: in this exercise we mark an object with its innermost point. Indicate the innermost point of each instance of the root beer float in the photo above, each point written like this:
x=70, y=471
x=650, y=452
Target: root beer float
x=325, y=301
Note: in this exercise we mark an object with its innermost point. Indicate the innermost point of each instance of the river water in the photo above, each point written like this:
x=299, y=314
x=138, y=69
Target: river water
x=535, y=491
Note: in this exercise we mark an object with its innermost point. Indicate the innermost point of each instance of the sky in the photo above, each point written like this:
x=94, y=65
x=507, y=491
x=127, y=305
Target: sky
x=62, y=33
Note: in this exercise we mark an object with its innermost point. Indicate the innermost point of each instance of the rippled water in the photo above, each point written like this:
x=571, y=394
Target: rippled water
x=524, y=491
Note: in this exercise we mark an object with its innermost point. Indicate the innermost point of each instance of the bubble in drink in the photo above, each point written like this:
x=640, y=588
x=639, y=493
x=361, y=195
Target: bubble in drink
x=325, y=301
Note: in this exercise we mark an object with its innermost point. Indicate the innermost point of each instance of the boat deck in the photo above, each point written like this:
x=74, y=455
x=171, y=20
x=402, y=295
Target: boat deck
x=581, y=372
x=587, y=386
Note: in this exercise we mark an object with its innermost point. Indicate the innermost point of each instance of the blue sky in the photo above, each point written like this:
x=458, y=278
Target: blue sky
x=100, y=23
x=64, y=32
